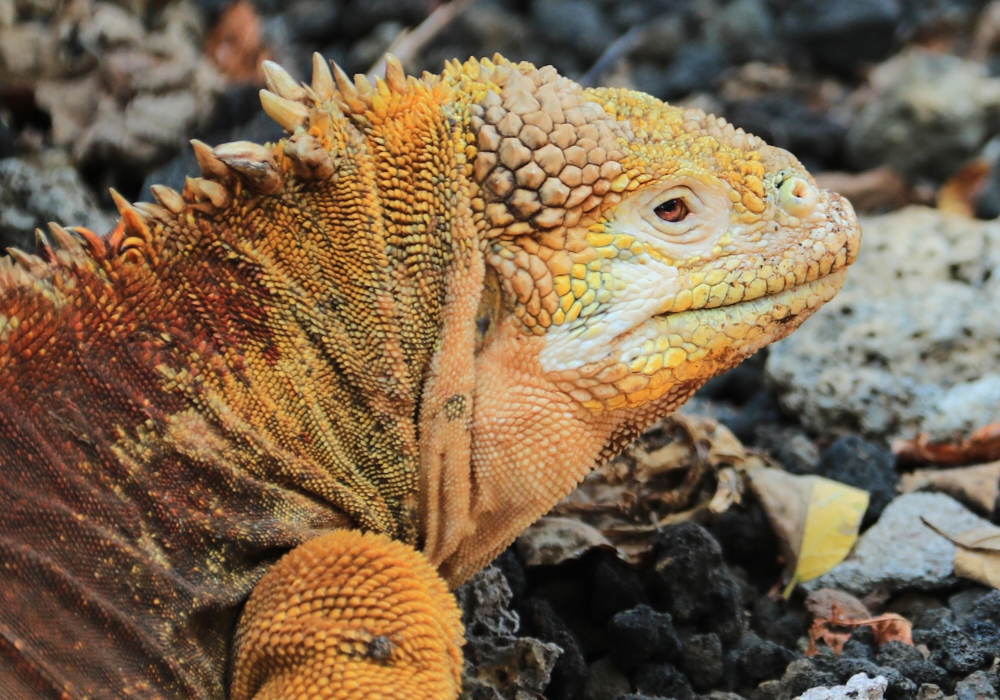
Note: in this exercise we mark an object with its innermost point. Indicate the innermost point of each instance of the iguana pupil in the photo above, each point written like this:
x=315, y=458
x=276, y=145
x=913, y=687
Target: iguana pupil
x=672, y=210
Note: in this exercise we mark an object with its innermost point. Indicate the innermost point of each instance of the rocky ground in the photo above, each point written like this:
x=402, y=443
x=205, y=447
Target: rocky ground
x=663, y=575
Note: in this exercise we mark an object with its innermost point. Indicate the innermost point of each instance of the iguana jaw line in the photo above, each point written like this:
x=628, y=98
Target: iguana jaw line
x=802, y=299
x=675, y=349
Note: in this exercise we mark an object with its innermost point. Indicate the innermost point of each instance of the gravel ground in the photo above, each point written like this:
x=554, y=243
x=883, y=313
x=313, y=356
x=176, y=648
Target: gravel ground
x=895, y=103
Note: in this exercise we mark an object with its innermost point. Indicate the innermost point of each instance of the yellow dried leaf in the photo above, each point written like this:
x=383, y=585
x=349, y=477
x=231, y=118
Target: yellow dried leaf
x=816, y=519
x=832, y=521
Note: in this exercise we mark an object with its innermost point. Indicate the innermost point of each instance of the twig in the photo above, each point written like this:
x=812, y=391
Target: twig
x=409, y=43
x=619, y=48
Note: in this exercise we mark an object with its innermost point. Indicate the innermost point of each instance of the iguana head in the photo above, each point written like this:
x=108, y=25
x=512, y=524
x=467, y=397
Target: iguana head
x=638, y=249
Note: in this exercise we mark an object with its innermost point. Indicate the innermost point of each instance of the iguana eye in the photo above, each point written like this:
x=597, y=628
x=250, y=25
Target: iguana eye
x=672, y=210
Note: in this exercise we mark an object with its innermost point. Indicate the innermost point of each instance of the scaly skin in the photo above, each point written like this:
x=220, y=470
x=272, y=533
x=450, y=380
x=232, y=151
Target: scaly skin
x=424, y=315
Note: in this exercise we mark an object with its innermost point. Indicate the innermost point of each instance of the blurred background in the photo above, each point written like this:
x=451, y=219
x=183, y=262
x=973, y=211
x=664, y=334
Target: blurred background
x=890, y=101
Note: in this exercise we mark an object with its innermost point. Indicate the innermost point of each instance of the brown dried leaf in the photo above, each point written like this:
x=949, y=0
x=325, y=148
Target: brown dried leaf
x=670, y=456
x=670, y=474
x=958, y=194
x=555, y=540
x=981, y=446
x=828, y=631
x=729, y=491
x=980, y=566
x=977, y=485
x=836, y=629
x=977, y=554
x=816, y=519
x=890, y=627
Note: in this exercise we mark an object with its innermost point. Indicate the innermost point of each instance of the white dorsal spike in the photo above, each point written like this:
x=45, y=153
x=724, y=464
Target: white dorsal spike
x=288, y=114
x=365, y=88
x=134, y=221
x=25, y=260
x=253, y=163
x=42, y=244
x=153, y=211
x=281, y=83
x=210, y=165
x=207, y=189
x=322, y=78
x=395, y=76
x=169, y=198
x=65, y=240
x=344, y=83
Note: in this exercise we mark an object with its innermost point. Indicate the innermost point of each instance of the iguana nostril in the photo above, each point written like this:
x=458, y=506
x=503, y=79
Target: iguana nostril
x=797, y=197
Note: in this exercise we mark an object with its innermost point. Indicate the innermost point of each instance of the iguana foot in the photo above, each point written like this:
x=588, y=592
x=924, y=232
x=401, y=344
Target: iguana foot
x=347, y=616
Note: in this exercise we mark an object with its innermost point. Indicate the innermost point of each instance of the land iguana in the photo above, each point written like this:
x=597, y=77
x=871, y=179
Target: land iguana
x=249, y=440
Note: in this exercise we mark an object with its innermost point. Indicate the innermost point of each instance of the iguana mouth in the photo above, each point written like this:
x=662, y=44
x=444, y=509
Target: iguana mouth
x=784, y=305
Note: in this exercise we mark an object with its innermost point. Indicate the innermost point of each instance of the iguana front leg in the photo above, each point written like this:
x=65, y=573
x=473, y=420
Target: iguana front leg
x=349, y=616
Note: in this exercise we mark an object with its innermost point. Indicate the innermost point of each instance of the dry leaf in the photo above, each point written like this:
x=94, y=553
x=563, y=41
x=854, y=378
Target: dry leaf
x=555, y=540
x=977, y=554
x=978, y=485
x=649, y=464
x=728, y=491
x=837, y=628
x=680, y=467
x=981, y=446
x=816, y=519
x=958, y=194
x=831, y=528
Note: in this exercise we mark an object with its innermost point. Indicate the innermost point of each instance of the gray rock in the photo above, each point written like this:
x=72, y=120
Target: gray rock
x=843, y=35
x=790, y=446
x=922, y=14
x=605, y=682
x=900, y=551
x=911, y=344
x=976, y=686
x=35, y=193
x=361, y=16
x=692, y=70
x=790, y=123
x=367, y=50
x=499, y=665
x=575, y=24
x=864, y=465
x=746, y=29
x=931, y=112
x=859, y=687
x=931, y=691
x=313, y=20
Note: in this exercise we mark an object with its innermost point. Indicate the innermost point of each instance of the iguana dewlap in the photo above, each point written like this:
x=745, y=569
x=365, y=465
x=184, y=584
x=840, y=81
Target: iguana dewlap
x=425, y=315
